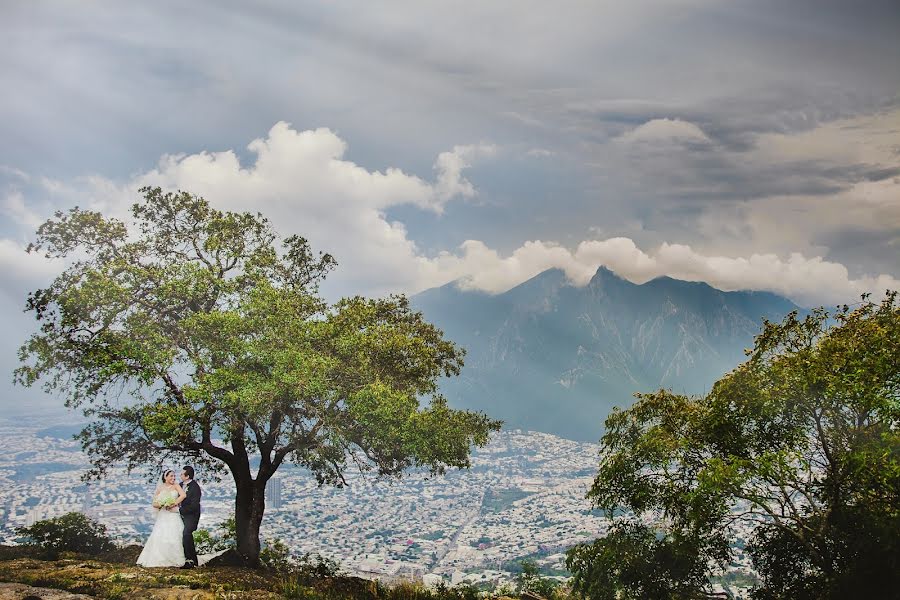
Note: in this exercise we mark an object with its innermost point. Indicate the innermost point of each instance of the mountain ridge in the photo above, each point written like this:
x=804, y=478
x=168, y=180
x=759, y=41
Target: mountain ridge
x=550, y=356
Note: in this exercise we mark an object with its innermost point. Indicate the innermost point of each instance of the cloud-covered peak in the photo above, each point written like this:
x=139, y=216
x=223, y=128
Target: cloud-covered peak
x=806, y=280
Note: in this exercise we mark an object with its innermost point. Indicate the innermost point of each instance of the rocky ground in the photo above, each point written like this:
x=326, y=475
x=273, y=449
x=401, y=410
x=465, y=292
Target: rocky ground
x=20, y=591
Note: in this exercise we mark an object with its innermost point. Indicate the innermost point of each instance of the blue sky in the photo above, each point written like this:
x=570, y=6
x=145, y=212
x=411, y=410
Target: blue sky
x=749, y=144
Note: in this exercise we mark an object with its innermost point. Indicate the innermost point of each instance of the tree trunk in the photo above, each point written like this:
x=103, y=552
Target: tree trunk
x=249, y=506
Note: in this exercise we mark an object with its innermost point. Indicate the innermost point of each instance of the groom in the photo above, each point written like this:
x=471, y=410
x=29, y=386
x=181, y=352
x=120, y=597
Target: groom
x=190, y=514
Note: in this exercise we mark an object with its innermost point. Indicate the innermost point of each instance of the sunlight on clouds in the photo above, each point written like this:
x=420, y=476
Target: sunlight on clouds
x=806, y=280
x=664, y=130
x=301, y=181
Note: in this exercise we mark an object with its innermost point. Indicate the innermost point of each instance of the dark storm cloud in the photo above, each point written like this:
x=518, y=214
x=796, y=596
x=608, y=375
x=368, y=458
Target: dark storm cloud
x=865, y=250
x=108, y=88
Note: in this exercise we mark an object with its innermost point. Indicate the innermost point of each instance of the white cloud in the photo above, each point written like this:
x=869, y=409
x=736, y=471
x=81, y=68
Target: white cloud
x=14, y=207
x=14, y=172
x=540, y=153
x=449, y=167
x=23, y=272
x=665, y=130
x=807, y=280
x=301, y=181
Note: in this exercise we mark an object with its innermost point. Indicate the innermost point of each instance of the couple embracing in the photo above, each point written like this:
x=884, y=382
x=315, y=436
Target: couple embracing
x=171, y=543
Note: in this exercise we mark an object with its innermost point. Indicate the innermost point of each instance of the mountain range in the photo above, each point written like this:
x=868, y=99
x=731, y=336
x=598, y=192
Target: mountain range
x=549, y=356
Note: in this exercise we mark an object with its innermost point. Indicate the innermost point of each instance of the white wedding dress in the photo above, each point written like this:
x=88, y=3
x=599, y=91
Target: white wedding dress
x=163, y=547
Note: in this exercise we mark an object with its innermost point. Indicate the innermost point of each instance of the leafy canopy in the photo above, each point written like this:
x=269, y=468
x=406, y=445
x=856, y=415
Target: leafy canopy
x=199, y=332
x=800, y=444
x=72, y=532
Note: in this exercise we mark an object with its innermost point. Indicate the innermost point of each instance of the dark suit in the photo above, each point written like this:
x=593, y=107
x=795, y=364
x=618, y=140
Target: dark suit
x=190, y=515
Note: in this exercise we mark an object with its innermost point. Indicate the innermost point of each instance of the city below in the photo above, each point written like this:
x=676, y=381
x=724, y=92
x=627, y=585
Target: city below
x=523, y=498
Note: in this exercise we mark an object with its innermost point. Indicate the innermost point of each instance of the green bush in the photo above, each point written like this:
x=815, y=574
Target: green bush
x=530, y=580
x=204, y=542
x=71, y=532
x=276, y=555
x=293, y=589
x=316, y=565
x=207, y=543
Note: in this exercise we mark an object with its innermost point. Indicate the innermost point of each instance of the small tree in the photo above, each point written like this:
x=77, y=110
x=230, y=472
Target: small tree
x=530, y=580
x=71, y=532
x=216, y=331
x=801, y=443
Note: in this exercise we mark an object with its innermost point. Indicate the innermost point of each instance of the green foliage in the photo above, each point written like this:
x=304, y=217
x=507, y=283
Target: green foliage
x=445, y=592
x=72, y=532
x=214, y=327
x=276, y=555
x=801, y=442
x=530, y=580
x=316, y=565
x=117, y=591
x=293, y=588
x=204, y=542
x=207, y=543
x=635, y=561
x=498, y=500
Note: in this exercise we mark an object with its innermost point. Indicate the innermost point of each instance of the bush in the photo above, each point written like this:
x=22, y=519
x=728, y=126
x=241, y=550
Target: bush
x=316, y=565
x=293, y=589
x=530, y=580
x=71, y=532
x=207, y=543
x=276, y=555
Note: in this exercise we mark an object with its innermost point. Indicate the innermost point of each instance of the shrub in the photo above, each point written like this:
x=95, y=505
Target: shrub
x=116, y=591
x=316, y=565
x=73, y=532
x=276, y=555
x=530, y=580
x=207, y=543
x=293, y=589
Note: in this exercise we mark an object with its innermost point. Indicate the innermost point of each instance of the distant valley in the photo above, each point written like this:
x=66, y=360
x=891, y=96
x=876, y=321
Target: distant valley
x=549, y=356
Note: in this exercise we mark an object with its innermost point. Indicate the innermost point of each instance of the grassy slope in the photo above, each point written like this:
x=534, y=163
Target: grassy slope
x=125, y=580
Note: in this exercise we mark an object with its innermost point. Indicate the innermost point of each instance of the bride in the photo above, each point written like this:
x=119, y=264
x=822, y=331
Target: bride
x=164, y=547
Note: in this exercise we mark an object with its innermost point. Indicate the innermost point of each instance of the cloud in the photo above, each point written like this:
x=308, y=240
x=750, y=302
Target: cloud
x=23, y=272
x=449, y=167
x=14, y=207
x=664, y=130
x=806, y=280
x=309, y=167
x=303, y=183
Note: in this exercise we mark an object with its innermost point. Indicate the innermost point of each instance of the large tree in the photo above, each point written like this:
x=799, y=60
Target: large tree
x=196, y=334
x=800, y=445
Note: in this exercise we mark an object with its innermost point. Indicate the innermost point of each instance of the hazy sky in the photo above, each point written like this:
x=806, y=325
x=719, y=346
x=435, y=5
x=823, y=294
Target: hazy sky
x=750, y=144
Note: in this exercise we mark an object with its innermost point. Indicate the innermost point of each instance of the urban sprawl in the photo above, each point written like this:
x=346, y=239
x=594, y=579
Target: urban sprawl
x=523, y=498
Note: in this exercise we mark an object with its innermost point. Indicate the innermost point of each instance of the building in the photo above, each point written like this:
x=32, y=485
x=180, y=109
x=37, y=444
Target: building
x=87, y=502
x=273, y=492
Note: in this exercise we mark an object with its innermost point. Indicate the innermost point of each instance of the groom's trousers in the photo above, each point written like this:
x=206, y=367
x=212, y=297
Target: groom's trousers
x=190, y=526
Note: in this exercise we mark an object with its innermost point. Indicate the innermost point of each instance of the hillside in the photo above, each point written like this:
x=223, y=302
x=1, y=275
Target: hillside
x=552, y=357
x=72, y=577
